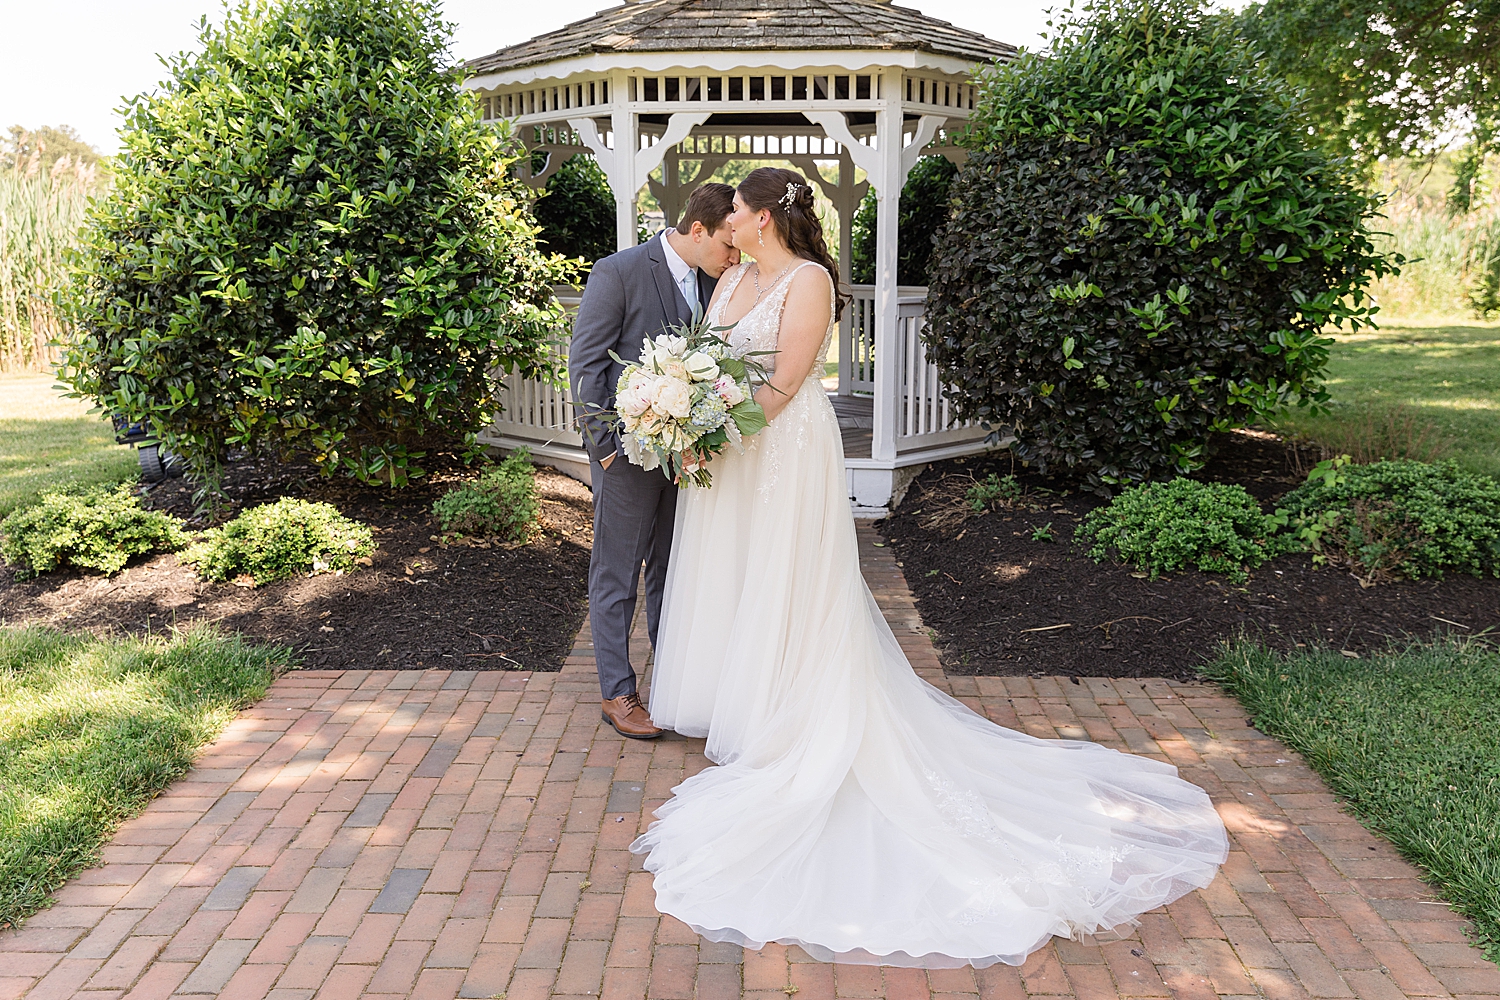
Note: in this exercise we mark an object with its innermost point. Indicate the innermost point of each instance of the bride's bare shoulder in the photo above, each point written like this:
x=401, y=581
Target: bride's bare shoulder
x=810, y=283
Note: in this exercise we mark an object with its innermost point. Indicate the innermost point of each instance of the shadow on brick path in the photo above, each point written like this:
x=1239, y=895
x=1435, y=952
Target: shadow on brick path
x=449, y=834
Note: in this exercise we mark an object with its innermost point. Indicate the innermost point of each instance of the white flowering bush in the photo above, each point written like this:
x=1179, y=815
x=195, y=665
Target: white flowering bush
x=688, y=397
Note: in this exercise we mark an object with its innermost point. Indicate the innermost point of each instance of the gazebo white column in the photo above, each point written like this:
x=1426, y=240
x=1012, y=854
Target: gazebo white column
x=886, y=166
x=626, y=166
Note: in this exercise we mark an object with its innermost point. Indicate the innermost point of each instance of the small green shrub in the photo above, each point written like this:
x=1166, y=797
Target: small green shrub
x=101, y=529
x=993, y=491
x=1163, y=527
x=1394, y=519
x=501, y=502
x=282, y=539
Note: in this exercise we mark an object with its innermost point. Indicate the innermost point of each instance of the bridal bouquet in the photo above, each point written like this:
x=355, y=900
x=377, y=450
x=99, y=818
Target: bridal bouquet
x=688, y=396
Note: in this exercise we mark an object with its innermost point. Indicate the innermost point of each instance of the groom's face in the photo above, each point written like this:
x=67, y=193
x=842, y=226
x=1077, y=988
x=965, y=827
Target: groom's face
x=716, y=254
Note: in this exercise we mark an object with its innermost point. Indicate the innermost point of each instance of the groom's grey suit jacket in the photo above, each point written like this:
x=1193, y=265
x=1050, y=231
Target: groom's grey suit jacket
x=630, y=296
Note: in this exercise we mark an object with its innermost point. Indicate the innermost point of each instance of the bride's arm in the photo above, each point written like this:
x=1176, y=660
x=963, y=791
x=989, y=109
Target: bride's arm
x=804, y=322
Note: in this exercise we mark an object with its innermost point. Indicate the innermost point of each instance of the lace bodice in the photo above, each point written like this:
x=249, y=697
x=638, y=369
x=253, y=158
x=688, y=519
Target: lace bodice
x=760, y=328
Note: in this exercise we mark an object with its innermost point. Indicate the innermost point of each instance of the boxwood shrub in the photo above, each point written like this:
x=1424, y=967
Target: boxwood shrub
x=98, y=529
x=1144, y=246
x=278, y=540
x=1165, y=527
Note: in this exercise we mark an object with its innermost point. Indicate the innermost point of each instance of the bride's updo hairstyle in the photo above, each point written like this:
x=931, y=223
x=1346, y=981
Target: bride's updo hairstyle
x=790, y=198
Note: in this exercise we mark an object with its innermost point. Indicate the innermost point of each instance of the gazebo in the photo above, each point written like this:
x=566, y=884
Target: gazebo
x=653, y=83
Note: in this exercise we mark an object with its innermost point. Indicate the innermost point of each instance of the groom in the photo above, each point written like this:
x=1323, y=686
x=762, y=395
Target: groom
x=630, y=296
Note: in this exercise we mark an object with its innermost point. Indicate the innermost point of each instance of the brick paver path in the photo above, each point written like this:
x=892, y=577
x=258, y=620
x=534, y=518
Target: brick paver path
x=438, y=835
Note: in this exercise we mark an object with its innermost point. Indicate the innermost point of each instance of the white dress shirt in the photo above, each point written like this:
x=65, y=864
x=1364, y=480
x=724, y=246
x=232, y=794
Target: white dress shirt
x=683, y=273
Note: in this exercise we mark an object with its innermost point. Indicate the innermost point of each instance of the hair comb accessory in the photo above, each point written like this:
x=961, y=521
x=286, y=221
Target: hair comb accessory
x=790, y=198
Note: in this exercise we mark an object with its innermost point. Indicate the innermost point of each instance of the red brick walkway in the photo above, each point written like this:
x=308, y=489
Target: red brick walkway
x=439, y=835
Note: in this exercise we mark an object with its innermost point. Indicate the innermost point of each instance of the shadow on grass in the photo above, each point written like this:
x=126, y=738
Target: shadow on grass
x=1445, y=377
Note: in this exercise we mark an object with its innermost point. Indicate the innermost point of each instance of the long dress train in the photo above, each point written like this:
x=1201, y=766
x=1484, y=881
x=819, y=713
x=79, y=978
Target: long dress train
x=856, y=810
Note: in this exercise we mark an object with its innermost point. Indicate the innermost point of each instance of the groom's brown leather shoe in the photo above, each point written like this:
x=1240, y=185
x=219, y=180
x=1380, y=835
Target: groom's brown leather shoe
x=629, y=717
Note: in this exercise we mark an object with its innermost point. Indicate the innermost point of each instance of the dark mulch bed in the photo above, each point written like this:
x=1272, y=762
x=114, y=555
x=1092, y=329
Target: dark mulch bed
x=420, y=605
x=1001, y=602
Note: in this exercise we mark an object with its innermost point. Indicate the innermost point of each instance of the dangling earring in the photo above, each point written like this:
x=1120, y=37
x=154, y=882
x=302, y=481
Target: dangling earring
x=760, y=234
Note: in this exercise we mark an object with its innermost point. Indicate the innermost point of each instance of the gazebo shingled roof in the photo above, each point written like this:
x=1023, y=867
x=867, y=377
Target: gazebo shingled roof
x=688, y=25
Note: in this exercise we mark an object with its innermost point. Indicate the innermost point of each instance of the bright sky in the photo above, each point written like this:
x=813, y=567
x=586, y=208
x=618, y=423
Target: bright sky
x=73, y=64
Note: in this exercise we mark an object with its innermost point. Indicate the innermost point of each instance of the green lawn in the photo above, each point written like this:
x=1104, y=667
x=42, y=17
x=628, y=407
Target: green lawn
x=1408, y=739
x=46, y=441
x=91, y=729
x=1447, y=379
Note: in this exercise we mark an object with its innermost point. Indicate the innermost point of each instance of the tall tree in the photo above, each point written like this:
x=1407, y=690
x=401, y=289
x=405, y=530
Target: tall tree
x=1391, y=77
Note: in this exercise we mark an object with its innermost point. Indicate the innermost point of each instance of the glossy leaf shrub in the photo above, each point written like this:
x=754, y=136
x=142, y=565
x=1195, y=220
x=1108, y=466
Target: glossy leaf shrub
x=576, y=211
x=312, y=245
x=1144, y=247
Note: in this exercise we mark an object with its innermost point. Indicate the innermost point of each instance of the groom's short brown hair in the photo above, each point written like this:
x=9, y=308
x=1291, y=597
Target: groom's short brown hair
x=709, y=204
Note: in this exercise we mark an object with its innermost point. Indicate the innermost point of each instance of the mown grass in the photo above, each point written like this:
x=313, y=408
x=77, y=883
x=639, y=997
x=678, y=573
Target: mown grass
x=1408, y=739
x=91, y=729
x=48, y=441
x=1441, y=381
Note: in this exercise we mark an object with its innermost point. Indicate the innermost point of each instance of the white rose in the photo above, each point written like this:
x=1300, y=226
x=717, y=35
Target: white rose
x=674, y=396
x=674, y=368
x=701, y=367
x=650, y=423
x=729, y=390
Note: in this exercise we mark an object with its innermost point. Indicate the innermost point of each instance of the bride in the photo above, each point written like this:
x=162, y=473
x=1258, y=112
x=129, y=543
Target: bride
x=856, y=810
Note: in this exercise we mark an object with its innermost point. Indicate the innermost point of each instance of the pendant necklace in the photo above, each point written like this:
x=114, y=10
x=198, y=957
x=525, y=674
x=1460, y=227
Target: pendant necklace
x=756, y=278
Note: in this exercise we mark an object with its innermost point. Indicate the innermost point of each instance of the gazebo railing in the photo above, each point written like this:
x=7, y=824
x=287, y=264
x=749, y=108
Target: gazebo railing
x=536, y=411
x=923, y=416
x=541, y=414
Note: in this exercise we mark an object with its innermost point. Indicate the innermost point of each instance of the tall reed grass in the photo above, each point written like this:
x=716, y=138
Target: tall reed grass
x=1453, y=260
x=41, y=210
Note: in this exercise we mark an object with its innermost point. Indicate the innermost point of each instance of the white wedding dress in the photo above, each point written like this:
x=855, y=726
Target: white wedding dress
x=856, y=810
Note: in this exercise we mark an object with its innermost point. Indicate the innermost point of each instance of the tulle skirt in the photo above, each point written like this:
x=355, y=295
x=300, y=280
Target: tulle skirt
x=856, y=810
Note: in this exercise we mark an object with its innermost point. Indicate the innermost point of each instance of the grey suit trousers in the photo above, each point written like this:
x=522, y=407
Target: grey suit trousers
x=633, y=515
x=630, y=295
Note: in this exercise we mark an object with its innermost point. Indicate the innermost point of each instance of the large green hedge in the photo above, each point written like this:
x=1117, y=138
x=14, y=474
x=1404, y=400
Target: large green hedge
x=576, y=211
x=1145, y=246
x=312, y=245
